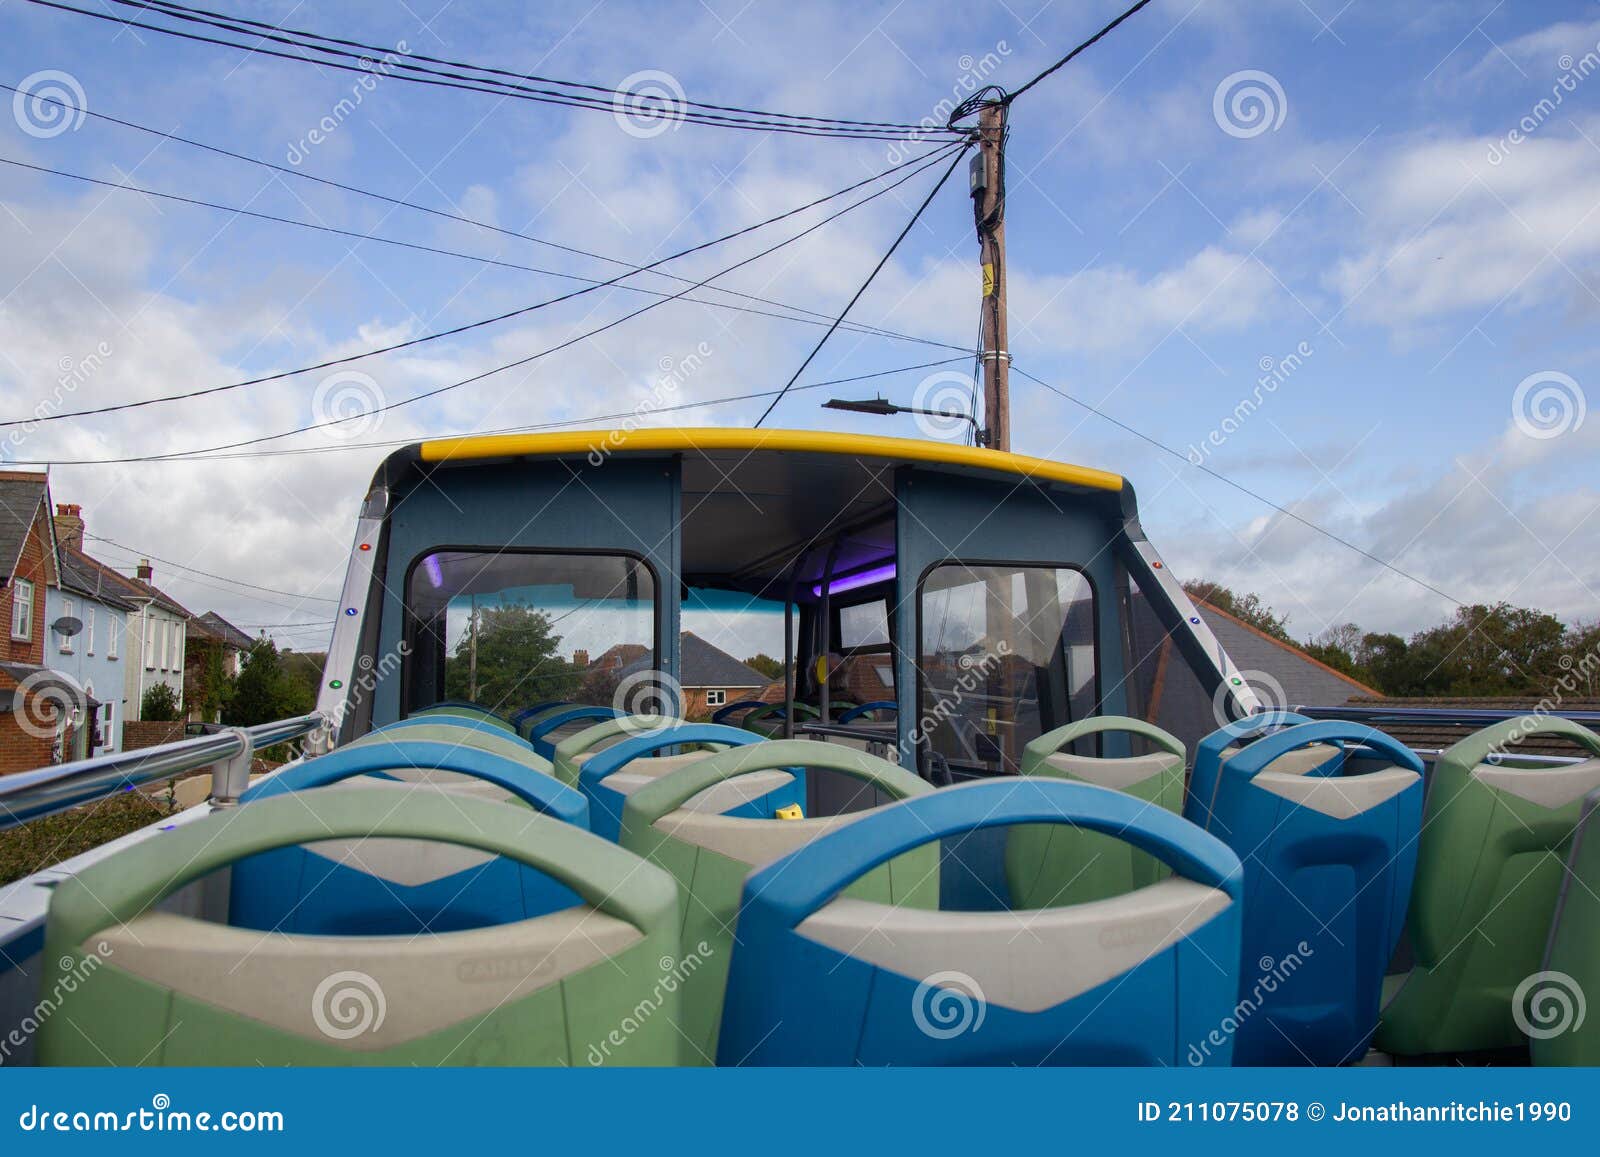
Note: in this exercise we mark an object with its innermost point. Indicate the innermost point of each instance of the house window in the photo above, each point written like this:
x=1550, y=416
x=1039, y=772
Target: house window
x=65, y=641
x=88, y=629
x=177, y=646
x=22, y=610
x=716, y=698
x=113, y=636
x=148, y=626
x=161, y=645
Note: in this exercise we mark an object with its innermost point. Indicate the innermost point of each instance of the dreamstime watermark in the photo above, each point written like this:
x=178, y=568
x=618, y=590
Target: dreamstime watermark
x=364, y=680
x=947, y=1005
x=1274, y=974
x=975, y=73
x=1573, y=73
x=675, y=974
x=160, y=1117
x=1248, y=103
x=1268, y=691
x=347, y=404
x=372, y=71
x=652, y=694
x=1548, y=404
x=973, y=674
x=48, y=103
x=46, y=702
x=648, y=103
x=1274, y=373
x=71, y=375
x=1577, y=679
x=348, y=1004
x=73, y=973
x=1548, y=1004
x=674, y=372
x=943, y=402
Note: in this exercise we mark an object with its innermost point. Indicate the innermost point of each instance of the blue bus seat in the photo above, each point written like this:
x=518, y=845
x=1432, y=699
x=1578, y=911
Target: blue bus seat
x=609, y=776
x=1329, y=852
x=394, y=887
x=551, y=727
x=822, y=978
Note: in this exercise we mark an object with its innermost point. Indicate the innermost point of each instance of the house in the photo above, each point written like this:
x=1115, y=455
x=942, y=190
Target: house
x=88, y=598
x=47, y=706
x=211, y=635
x=156, y=640
x=710, y=677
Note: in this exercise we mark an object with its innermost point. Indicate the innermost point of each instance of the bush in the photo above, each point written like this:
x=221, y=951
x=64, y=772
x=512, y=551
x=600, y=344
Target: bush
x=159, y=705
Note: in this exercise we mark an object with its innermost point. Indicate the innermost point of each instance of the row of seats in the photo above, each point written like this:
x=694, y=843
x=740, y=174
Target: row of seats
x=1486, y=874
x=756, y=935
x=429, y=894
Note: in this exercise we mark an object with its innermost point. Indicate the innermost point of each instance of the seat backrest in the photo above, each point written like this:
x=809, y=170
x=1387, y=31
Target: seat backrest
x=444, y=729
x=549, y=728
x=1490, y=866
x=1048, y=865
x=823, y=978
x=464, y=711
x=1215, y=749
x=395, y=886
x=1553, y=1002
x=168, y=990
x=877, y=710
x=728, y=711
x=572, y=750
x=769, y=718
x=710, y=854
x=609, y=776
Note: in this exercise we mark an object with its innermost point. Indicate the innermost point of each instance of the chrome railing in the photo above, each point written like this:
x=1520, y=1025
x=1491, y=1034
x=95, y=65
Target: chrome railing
x=31, y=794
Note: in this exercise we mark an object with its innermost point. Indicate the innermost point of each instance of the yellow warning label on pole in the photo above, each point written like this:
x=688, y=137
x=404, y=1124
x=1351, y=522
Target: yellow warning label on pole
x=988, y=280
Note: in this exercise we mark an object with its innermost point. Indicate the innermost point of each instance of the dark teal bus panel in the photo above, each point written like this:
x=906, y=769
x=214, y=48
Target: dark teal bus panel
x=616, y=507
x=995, y=527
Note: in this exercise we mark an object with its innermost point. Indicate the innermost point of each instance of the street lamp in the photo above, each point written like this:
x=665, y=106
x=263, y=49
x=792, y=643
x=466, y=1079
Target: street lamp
x=883, y=407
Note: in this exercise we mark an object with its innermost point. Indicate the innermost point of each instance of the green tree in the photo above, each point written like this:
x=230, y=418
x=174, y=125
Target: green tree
x=1340, y=647
x=1250, y=608
x=510, y=658
x=264, y=691
x=766, y=664
x=159, y=704
x=214, y=687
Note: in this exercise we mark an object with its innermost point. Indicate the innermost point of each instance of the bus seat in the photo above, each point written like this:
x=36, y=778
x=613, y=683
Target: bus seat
x=395, y=887
x=171, y=990
x=1554, y=1003
x=1329, y=853
x=1494, y=843
x=453, y=710
x=1226, y=741
x=608, y=777
x=822, y=977
x=464, y=732
x=1050, y=865
x=550, y=728
x=711, y=854
x=573, y=751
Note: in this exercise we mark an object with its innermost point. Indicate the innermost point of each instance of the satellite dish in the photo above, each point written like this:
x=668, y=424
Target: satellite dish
x=67, y=626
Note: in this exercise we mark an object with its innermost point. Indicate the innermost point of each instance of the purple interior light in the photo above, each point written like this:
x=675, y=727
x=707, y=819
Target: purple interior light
x=435, y=574
x=861, y=578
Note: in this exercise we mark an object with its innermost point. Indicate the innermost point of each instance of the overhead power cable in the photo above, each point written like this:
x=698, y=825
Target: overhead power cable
x=587, y=420
x=1240, y=487
x=365, y=414
x=174, y=9
x=453, y=331
x=192, y=570
x=396, y=67
x=291, y=171
x=882, y=261
x=1082, y=48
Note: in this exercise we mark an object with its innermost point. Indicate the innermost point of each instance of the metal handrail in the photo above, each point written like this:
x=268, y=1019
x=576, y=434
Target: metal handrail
x=31, y=794
x=1443, y=716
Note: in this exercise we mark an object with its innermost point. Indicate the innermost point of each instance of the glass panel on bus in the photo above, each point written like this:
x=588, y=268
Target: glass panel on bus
x=508, y=629
x=1007, y=653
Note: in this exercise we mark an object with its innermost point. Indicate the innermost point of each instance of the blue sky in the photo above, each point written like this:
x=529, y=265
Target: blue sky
x=1381, y=227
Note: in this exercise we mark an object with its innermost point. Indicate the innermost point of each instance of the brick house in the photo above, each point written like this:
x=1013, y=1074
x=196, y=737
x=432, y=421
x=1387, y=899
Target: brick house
x=45, y=705
x=711, y=678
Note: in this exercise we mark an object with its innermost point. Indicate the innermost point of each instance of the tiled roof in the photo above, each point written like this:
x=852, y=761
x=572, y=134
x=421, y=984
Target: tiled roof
x=1431, y=736
x=215, y=626
x=702, y=665
x=126, y=586
x=21, y=495
x=1263, y=660
x=82, y=575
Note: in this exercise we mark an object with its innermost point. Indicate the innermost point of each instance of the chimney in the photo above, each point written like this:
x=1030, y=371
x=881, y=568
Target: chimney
x=580, y=658
x=145, y=573
x=69, y=525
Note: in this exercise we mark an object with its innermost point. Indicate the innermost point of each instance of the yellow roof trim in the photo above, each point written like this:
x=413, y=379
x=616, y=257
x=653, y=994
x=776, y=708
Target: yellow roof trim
x=674, y=440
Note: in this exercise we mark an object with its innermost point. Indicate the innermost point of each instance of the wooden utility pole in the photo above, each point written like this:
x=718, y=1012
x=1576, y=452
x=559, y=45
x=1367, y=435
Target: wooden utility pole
x=988, y=175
